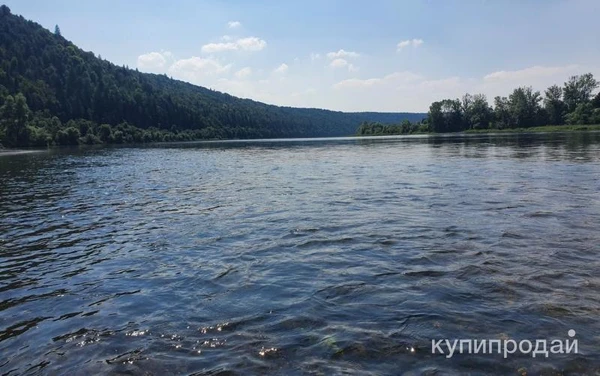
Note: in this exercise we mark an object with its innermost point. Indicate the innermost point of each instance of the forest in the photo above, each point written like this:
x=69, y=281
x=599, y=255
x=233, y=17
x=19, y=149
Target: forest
x=54, y=93
x=570, y=104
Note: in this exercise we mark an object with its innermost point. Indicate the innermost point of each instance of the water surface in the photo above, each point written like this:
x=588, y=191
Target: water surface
x=292, y=257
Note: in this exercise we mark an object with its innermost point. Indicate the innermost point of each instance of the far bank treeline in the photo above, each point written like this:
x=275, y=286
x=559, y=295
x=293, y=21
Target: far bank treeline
x=52, y=92
x=572, y=104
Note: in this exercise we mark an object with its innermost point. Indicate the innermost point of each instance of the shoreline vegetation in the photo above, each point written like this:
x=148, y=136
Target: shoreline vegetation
x=572, y=107
x=539, y=129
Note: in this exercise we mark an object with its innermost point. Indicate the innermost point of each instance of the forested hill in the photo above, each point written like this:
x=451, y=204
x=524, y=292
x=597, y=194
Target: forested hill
x=52, y=92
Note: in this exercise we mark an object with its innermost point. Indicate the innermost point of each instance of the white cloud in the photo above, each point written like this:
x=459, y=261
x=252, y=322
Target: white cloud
x=396, y=78
x=234, y=24
x=404, y=76
x=441, y=84
x=343, y=63
x=219, y=47
x=339, y=63
x=196, y=69
x=528, y=73
x=397, y=91
x=342, y=54
x=154, y=62
x=409, y=42
x=308, y=92
x=404, y=43
x=357, y=83
x=226, y=38
x=244, y=72
x=314, y=56
x=251, y=44
x=243, y=44
x=283, y=68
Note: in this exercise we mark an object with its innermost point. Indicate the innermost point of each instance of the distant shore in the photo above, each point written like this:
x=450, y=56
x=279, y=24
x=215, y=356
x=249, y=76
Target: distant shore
x=542, y=129
x=545, y=128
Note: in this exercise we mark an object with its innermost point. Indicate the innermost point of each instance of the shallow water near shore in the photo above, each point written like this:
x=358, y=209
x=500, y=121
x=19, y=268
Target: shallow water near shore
x=330, y=256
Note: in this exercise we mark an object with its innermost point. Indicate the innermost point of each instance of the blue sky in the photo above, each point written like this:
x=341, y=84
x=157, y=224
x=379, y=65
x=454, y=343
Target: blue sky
x=378, y=55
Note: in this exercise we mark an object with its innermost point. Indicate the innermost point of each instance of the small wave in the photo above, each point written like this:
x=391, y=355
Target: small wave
x=426, y=273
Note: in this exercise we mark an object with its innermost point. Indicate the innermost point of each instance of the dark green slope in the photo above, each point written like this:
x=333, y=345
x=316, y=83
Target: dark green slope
x=62, y=83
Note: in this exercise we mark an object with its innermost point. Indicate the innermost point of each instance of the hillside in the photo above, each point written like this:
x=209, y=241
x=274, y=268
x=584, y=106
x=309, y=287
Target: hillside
x=72, y=96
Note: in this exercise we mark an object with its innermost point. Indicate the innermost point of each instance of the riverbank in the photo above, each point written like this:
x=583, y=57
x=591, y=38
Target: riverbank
x=545, y=128
x=542, y=129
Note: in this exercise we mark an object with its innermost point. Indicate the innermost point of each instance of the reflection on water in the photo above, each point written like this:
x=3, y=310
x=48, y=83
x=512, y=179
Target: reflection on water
x=294, y=257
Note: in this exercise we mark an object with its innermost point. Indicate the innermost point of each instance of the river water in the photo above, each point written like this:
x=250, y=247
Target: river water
x=292, y=257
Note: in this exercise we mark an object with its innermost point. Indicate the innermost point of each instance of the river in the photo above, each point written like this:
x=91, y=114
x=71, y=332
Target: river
x=291, y=257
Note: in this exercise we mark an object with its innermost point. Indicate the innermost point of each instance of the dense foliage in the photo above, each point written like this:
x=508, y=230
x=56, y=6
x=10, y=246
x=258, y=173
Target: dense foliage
x=52, y=92
x=572, y=104
x=372, y=128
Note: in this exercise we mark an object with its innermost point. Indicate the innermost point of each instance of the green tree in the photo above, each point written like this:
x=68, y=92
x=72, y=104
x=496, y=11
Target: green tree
x=446, y=116
x=554, y=105
x=453, y=115
x=596, y=101
x=406, y=127
x=105, y=132
x=39, y=136
x=14, y=115
x=57, y=31
x=435, y=118
x=118, y=137
x=476, y=111
x=4, y=10
x=578, y=90
x=502, y=113
x=68, y=136
x=525, y=107
x=584, y=113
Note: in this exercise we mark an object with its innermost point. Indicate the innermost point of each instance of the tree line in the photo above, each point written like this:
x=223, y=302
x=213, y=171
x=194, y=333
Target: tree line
x=573, y=104
x=52, y=92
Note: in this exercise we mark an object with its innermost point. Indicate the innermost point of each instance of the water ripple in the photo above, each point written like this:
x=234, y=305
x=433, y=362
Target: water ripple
x=321, y=257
